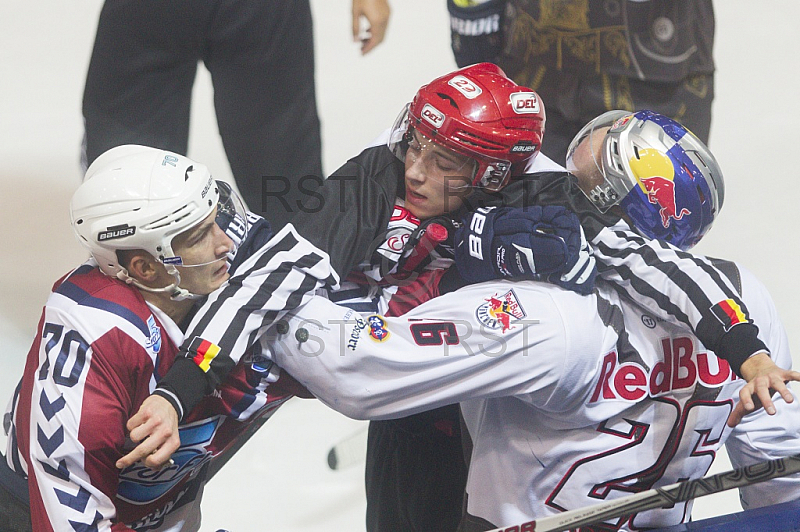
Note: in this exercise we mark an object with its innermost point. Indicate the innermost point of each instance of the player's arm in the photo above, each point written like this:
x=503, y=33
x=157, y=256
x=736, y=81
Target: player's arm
x=353, y=210
x=474, y=343
x=679, y=286
x=673, y=285
x=760, y=437
x=354, y=207
x=476, y=30
x=72, y=477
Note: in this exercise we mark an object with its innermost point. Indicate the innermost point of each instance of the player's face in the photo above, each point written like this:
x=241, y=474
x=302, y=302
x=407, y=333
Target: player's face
x=587, y=160
x=204, y=245
x=437, y=179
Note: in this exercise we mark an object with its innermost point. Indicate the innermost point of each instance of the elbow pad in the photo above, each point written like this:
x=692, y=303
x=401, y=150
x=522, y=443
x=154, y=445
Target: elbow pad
x=476, y=30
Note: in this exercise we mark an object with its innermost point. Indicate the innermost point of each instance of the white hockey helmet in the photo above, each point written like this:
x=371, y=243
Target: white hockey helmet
x=138, y=197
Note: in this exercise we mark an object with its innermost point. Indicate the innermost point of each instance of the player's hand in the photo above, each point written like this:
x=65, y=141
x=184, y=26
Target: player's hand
x=532, y=243
x=376, y=13
x=764, y=378
x=155, y=428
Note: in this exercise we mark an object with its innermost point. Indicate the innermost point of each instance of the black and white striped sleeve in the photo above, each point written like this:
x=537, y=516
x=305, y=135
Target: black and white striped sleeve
x=274, y=280
x=676, y=285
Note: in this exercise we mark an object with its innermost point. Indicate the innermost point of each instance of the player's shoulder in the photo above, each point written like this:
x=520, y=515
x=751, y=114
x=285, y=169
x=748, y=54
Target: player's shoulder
x=88, y=299
x=87, y=285
x=524, y=302
x=376, y=162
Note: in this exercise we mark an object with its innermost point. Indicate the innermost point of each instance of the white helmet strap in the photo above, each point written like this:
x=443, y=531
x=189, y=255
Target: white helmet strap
x=176, y=292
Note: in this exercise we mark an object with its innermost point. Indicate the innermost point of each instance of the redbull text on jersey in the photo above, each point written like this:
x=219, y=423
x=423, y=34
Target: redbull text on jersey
x=680, y=369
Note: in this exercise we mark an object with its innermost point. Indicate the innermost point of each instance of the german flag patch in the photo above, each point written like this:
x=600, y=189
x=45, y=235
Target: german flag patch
x=729, y=313
x=204, y=352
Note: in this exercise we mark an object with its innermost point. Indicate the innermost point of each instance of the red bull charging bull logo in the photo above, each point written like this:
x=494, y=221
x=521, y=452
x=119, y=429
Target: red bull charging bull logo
x=656, y=176
x=500, y=311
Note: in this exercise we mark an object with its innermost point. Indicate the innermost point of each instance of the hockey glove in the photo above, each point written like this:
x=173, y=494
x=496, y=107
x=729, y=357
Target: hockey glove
x=541, y=243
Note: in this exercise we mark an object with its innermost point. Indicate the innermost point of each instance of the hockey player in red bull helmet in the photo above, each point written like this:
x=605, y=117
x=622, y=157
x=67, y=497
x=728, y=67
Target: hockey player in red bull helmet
x=652, y=168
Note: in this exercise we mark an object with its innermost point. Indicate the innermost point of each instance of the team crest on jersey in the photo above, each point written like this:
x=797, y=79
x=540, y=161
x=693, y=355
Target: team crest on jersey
x=377, y=328
x=154, y=342
x=500, y=311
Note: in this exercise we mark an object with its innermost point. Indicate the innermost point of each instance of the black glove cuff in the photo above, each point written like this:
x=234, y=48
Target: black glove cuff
x=184, y=386
x=739, y=344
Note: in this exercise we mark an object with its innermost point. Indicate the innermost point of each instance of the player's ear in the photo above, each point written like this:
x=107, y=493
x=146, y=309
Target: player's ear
x=140, y=265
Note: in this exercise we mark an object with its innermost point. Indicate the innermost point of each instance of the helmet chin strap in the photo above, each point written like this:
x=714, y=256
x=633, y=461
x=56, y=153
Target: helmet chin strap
x=176, y=292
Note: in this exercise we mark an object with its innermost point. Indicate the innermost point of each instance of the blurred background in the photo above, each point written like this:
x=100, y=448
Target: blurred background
x=280, y=479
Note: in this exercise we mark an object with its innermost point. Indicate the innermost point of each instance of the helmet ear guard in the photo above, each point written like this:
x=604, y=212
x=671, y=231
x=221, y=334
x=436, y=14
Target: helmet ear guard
x=664, y=178
x=478, y=112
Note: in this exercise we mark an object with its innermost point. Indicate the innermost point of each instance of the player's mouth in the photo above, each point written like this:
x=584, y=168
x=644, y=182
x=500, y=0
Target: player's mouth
x=414, y=197
x=222, y=270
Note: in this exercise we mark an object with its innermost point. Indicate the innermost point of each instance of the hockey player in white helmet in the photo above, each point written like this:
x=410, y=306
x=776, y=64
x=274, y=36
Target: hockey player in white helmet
x=170, y=215
x=162, y=234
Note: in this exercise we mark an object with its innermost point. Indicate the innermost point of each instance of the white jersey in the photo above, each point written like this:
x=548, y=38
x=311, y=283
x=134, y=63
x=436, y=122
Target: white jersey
x=569, y=399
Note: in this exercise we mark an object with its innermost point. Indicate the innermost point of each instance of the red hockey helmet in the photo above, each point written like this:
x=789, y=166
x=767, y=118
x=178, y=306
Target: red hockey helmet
x=479, y=112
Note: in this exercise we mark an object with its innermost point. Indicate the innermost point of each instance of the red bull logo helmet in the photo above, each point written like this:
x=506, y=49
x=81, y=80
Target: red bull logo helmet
x=662, y=176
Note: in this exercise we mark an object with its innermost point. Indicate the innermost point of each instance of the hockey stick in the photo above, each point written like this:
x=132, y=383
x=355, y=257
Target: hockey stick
x=349, y=451
x=661, y=497
x=433, y=235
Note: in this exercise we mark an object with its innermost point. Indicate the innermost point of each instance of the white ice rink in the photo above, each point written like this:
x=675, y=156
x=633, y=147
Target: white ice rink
x=280, y=480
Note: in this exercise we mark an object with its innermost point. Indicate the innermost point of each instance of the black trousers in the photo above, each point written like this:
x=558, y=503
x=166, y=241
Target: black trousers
x=261, y=58
x=416, y=473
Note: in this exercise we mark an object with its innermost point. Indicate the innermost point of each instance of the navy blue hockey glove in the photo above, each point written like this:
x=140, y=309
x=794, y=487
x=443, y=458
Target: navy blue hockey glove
x=542, y=243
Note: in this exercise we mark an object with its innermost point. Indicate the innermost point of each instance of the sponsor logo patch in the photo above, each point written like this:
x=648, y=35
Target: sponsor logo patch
x=525, y=103
x=432, y=115
x=500, y=311
x=154, y=342
x=619, y=124
x=377, y=328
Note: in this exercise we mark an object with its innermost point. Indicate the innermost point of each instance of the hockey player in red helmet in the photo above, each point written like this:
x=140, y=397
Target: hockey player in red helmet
x=470, y=129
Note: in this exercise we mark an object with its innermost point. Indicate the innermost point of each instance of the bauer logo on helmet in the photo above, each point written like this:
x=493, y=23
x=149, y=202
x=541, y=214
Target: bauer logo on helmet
x=118, y=231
